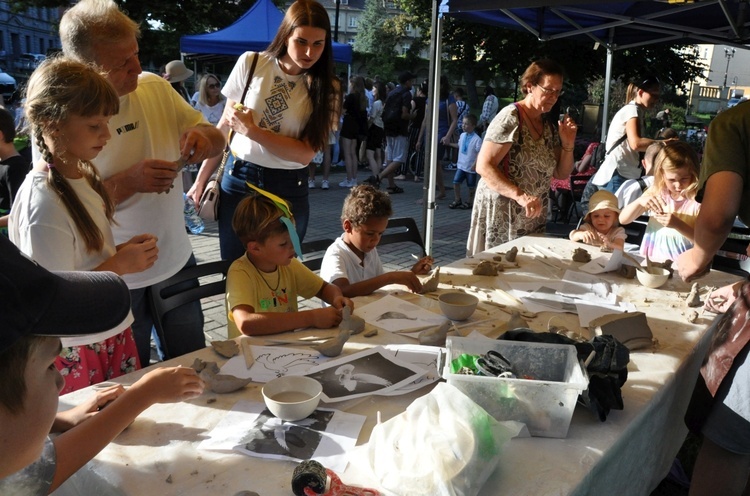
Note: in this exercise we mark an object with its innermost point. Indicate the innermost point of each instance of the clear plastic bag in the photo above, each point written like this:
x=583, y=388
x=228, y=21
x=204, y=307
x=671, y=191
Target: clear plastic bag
x=444, y=444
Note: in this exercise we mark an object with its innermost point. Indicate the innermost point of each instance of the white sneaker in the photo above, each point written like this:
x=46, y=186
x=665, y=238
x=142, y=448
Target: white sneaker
x=344, y=183
x=352, y=182
x=324, y=184
x=311, y=183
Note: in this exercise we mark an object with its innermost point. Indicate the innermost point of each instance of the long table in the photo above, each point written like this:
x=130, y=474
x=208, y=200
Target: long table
x=628, y=454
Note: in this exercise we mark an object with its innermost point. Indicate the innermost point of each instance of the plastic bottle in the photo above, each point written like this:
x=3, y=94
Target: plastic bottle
x=192, y=220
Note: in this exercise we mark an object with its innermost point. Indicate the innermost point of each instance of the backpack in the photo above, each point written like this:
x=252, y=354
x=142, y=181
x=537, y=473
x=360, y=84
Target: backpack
x=392, y=110
x=601, y=152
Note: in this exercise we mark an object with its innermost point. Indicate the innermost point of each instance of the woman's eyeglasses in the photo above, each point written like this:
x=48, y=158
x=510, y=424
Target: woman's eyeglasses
x=549, y=92
x=213, y=86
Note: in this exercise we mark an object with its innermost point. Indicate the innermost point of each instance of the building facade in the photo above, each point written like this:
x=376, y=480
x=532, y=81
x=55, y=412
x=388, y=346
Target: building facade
x=26, y=34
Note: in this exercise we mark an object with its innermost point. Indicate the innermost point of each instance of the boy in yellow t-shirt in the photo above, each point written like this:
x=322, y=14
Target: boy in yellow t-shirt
x=263, y=284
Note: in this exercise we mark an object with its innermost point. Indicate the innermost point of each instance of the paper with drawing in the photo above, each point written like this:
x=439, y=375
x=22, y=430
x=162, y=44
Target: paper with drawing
x=394, y=314
x=325, y=436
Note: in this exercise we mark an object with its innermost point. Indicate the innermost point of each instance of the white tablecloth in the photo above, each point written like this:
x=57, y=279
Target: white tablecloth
x=628, y=454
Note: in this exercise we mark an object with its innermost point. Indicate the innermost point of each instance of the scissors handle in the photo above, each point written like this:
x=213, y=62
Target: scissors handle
x=337, y=488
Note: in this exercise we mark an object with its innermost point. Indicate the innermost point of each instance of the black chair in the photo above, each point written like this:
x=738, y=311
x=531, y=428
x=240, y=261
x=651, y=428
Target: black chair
x=402, y=230
x=577, y=185
x=313, y=252
x=164, y=296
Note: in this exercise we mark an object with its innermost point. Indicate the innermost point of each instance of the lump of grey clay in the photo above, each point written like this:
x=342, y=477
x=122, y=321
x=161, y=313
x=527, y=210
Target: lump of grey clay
x=227, y=349
x=430, y=284
x=350, y=322
x=581, y=255
x=435, y=336
x=694, y=298
x=510, y=255
x=626, y=271
x=216, y=382
x=631, y=329
x=485, y=268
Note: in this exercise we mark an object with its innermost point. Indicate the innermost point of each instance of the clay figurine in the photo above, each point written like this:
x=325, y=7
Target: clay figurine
x=581, y=255
x=485, y=268
x=216, y=382
x=435, y=336
x=333, y=347
x=694, y=298
x=430, y=284
x=227, y=349
x=510, y=255
x=626, y=271
x=351, y=322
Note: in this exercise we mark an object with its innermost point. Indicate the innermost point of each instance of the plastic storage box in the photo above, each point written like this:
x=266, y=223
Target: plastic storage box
x=545, y=404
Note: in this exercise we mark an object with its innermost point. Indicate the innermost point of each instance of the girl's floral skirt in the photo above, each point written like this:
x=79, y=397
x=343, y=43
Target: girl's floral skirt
x=82, y=366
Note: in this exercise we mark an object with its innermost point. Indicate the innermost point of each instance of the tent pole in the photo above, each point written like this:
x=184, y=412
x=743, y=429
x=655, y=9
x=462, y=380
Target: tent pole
x=432, y=163
x=607, y=84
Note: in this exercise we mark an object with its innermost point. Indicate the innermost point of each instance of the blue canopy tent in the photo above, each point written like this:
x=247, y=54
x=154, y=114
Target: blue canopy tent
x=254, y=31
x=611, y=24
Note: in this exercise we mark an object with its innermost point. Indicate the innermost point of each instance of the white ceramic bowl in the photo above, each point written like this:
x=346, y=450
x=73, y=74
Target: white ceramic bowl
x=654, y=278
x=292, y=397
x=457, y=305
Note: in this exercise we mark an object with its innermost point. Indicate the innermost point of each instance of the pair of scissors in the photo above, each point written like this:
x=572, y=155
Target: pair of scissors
x=494, y=364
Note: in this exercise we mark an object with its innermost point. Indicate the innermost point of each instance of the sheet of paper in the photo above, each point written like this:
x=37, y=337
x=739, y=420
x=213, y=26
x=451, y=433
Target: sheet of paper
x=325, y=436
x=372, y=371
x=546, y=299
x=272, y=362
x=425, y=357
x=394, y=314
x=587, y=287
x=604, y=263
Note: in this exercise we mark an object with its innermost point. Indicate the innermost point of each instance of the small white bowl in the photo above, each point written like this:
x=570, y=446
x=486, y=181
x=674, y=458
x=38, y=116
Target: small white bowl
x=655, y=277
x=292, y=397
x=457, y=305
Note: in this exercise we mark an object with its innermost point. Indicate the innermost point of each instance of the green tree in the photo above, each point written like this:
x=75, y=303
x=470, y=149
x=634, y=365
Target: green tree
x=498, y=56
x=376, y=38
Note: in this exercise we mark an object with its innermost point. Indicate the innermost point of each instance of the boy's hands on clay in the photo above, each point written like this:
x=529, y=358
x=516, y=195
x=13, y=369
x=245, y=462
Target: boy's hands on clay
x=339, y=302
x=423, y=265
x=325, y=318
x=408, y=279
x=719, y=300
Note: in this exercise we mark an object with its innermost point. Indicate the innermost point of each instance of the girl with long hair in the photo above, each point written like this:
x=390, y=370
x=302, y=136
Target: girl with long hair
x=670, y=203
x=62, y=215
x=281, y=122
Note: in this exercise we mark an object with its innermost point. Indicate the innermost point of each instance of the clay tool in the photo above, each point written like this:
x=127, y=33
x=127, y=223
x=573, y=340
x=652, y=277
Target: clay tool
x=247, y=352
x=509, y=310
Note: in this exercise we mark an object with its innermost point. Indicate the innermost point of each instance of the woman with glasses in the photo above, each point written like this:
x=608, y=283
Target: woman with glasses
x=524, y=147
x=625, y=138
x=210, y=100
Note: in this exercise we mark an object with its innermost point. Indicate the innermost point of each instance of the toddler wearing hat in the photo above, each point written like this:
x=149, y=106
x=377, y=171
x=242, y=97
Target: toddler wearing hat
x=600, y=226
